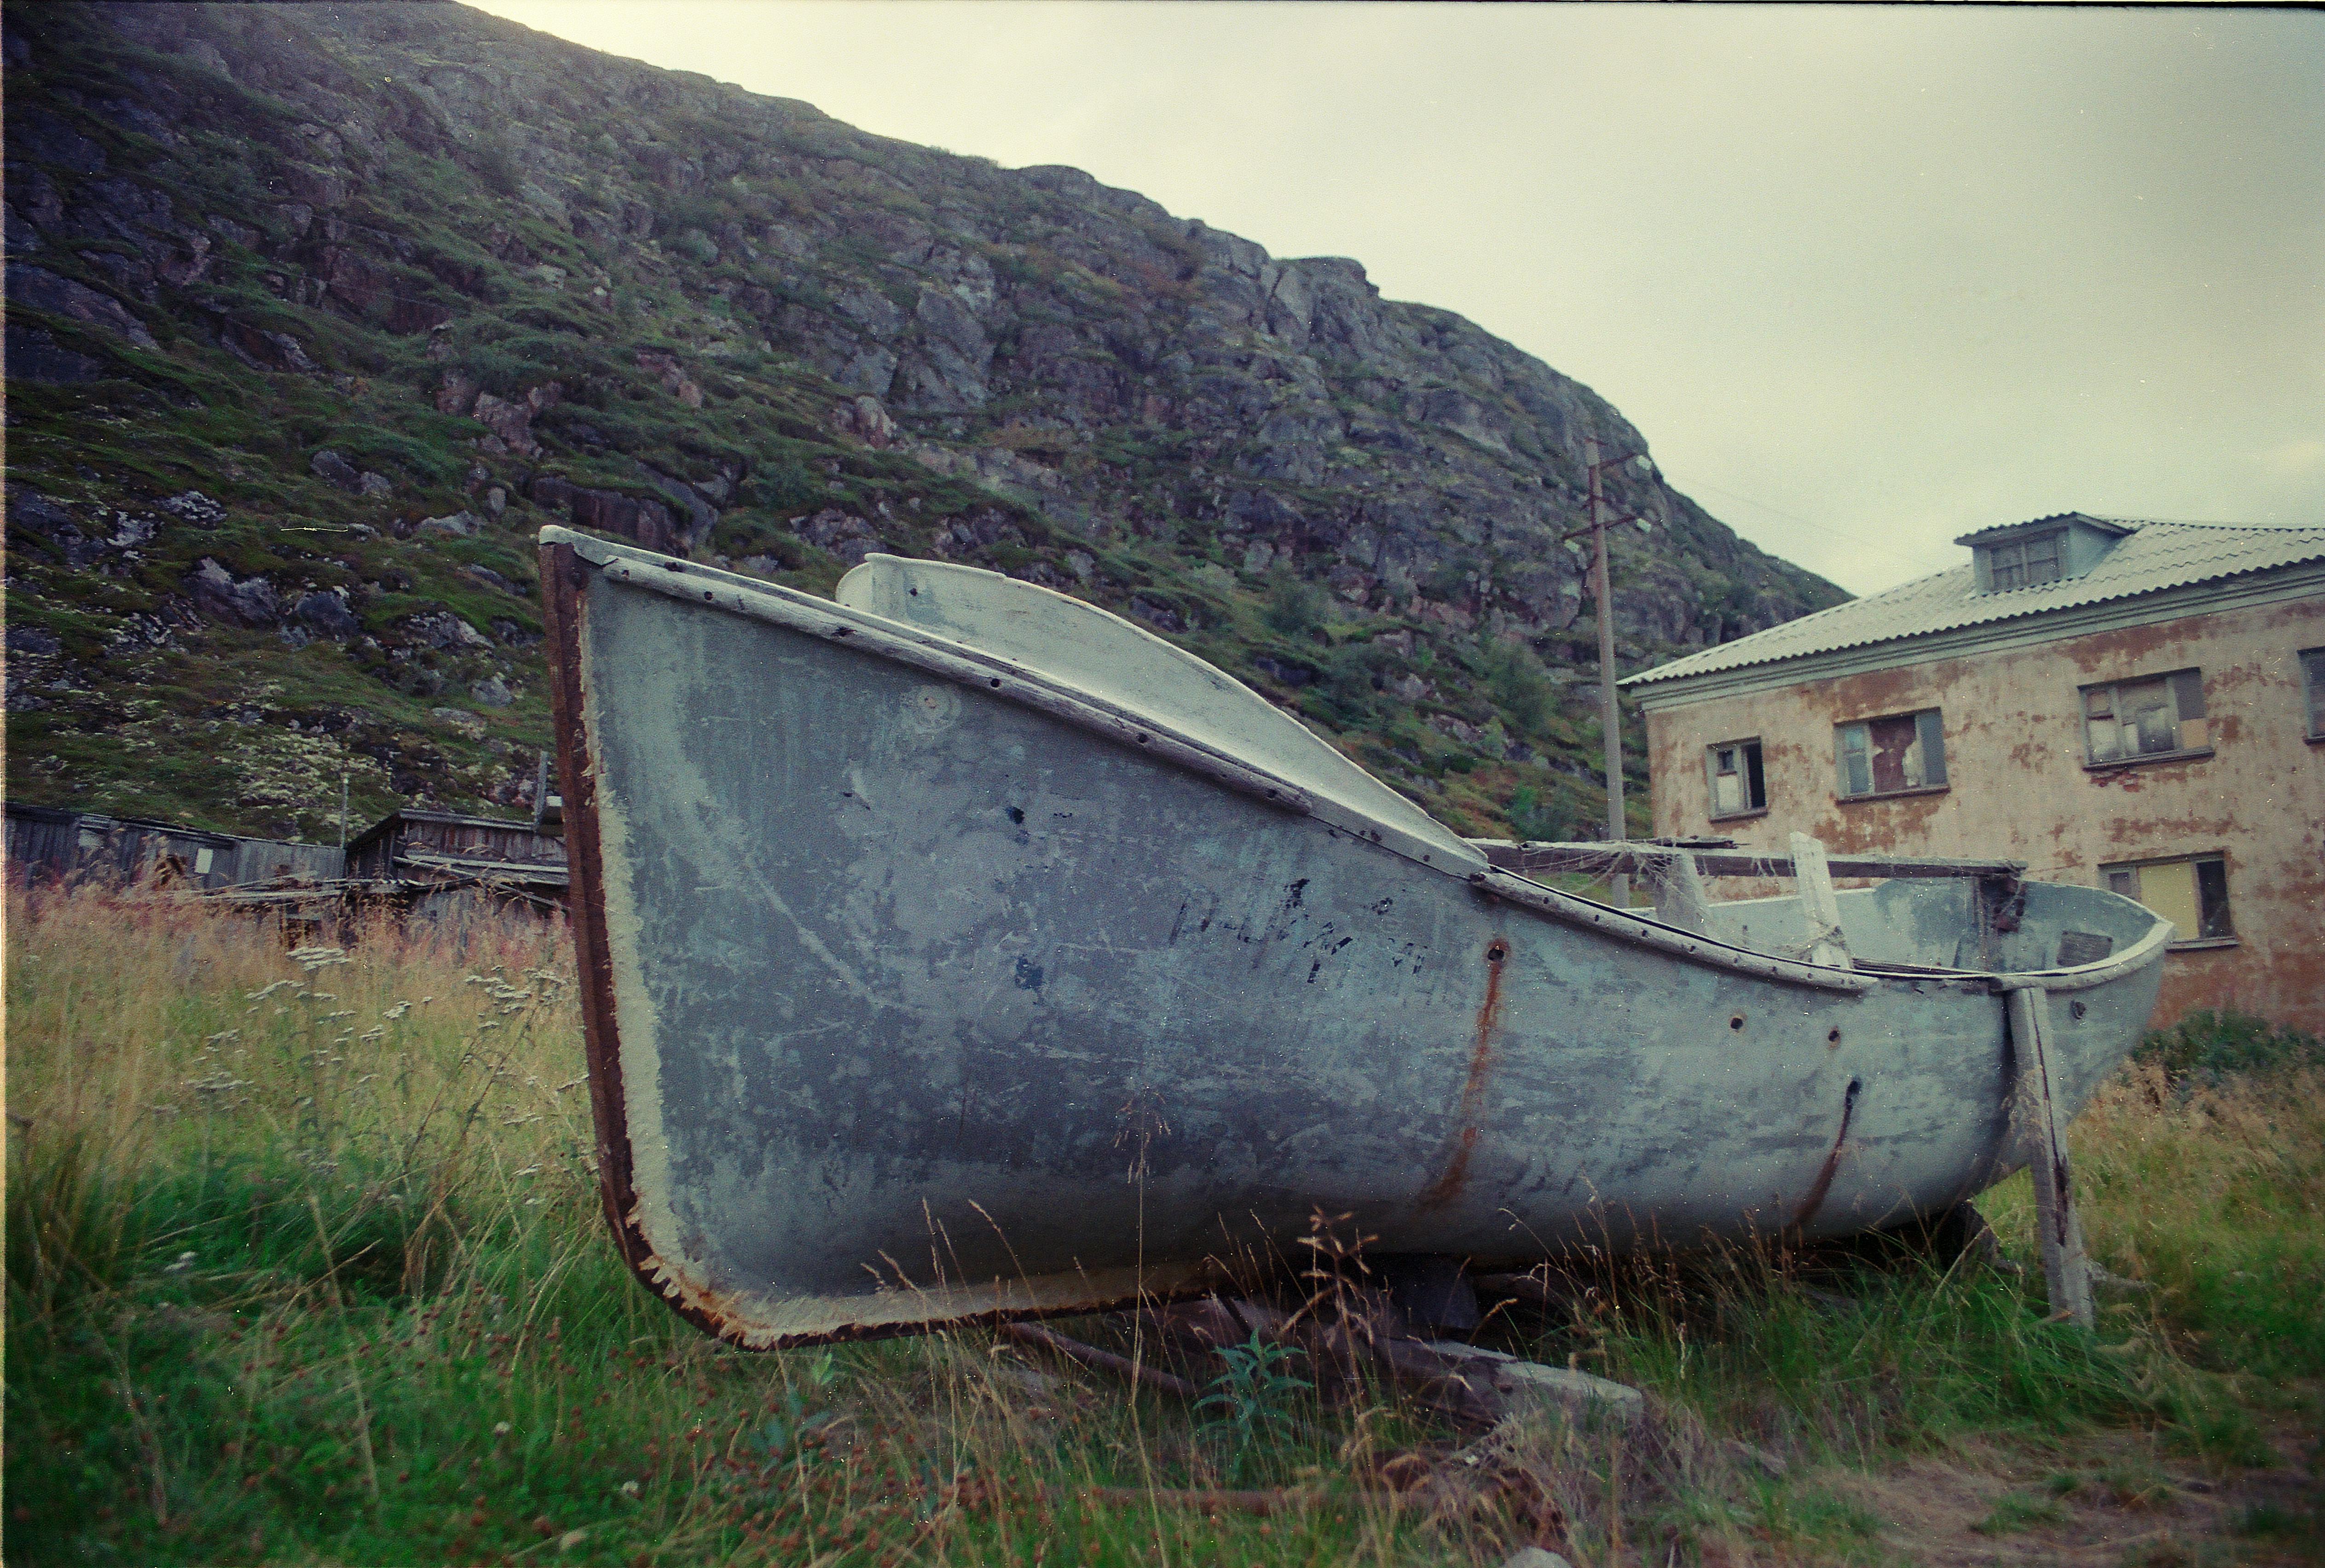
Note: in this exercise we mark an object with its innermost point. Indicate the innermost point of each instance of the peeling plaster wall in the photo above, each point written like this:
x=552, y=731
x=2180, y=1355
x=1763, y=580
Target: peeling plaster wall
x=2018, y=786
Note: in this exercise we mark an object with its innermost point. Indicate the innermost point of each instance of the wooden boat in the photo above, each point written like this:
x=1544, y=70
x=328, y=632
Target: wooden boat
x=958, y=949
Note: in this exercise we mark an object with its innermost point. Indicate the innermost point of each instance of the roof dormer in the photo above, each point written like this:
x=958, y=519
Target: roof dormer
x=2025, y=554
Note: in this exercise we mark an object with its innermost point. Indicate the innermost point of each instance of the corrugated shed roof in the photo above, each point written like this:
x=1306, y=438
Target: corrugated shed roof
x=2157, y=555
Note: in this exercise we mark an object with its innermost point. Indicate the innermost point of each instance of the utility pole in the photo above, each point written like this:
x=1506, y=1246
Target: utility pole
x=1610, y=712
x=343, y=824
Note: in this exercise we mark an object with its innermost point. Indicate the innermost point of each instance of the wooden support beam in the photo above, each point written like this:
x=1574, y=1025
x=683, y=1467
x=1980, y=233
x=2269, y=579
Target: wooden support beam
x=1819, y=909
x=1073, y=1350
x=2042, y=1138
x=1541, y=1289
x=1597, y=859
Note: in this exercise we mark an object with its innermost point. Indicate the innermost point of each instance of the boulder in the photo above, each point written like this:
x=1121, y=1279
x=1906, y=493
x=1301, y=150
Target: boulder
x=263, y=349
x=511, y=421
x=1535, y=1557
x=866, y=420
x=30, y=510
x=335, y=471
x=457, y=393
x=313, y=187
x=41, y=135
x=844, y=534
x=663, y=366
x=35, y=356
x=492, y=691
x=460, y=720
x=328, y=613
x=461, y=525
x=702, y=517
x=192, y=507
x=42, y=290
x=443, y=630
x=1524, y=1387
x=218, y=596
x=871, y=369
x=648, y=523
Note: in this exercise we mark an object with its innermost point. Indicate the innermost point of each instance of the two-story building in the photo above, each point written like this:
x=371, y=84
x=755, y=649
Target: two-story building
x=2138, y=706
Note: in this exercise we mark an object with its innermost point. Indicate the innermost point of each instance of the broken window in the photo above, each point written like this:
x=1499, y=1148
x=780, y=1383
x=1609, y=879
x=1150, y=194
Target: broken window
x=1738, y=785
x=2191, y=893
x=2146, y=718
x=2021, y=563
x=2312, y=676
x=1888, y=756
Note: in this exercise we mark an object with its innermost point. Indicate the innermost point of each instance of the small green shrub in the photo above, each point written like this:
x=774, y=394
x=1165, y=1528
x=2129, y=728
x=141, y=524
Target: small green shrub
x=1250, y=1398
x=1294, y=607
x=2211, y=1045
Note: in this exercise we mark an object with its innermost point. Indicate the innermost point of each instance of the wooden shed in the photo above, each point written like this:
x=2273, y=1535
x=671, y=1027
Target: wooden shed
x=47, y=843
x=513, y=856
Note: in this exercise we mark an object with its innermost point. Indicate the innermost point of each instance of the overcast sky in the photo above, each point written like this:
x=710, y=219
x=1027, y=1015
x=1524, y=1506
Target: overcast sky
x=1866, y=278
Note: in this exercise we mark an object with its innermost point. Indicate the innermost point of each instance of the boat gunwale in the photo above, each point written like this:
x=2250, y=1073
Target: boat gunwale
x=1053, y=694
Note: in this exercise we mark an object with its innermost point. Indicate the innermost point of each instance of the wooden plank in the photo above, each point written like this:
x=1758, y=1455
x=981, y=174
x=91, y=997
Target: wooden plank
x=1597, y=859
x=1074, y=1349
x=1819, y=906
x=2066, y=1273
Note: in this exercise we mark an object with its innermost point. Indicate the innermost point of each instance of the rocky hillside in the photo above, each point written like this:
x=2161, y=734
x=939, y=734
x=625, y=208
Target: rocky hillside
x=315, y=313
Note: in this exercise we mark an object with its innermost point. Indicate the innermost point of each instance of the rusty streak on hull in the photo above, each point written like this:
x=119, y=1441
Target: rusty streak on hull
x=1805, y=1215
x=1448, y=1186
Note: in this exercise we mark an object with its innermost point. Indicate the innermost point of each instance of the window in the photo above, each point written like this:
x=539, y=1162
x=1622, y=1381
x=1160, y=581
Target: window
x=2191, y=893
x=2131, y=719
x=1892, y=756
x=2023, y=562
x=203, y=861
x=2312, y=676
x=1738, y=785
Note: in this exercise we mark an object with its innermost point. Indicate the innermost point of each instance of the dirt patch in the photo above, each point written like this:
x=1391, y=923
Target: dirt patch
x=2111, y=1499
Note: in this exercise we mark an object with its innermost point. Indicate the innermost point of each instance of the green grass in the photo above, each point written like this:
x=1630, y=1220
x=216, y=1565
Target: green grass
x=2018, y=1512
x=307, y=1266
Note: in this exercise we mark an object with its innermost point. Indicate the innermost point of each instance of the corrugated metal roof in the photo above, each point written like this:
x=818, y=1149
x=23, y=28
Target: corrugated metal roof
x=2157, y=555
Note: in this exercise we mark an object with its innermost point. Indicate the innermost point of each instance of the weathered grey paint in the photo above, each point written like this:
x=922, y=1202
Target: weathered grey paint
x=925, y=1001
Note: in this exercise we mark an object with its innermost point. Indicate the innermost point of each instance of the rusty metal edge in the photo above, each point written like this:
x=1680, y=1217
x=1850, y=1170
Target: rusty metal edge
x=563, y=578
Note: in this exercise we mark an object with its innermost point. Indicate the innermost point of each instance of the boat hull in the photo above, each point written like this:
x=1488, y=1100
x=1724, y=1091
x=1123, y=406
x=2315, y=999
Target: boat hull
x=910, y=1002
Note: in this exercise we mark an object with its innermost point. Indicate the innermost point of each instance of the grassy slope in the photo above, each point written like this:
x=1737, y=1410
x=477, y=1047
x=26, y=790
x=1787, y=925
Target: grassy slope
x=315, y=1273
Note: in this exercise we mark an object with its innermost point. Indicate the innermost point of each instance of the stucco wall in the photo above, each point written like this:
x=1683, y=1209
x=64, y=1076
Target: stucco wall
x=2018, y=786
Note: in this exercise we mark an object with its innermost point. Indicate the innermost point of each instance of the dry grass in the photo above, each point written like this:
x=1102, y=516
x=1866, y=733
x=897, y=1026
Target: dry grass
x=305, y=1265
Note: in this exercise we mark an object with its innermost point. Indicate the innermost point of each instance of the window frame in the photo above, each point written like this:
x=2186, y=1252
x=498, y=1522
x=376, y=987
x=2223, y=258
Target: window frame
x=2311, y=662
x=1929, y=726
x=2226, y=938
x=1755, y=763
x=1992, y=564
x=2186, y=687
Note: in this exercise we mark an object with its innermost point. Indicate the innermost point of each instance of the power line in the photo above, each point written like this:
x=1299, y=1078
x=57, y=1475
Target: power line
x=1845, y=537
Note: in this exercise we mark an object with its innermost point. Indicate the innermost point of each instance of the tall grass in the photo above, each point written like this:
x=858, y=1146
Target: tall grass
x=305, y=1263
